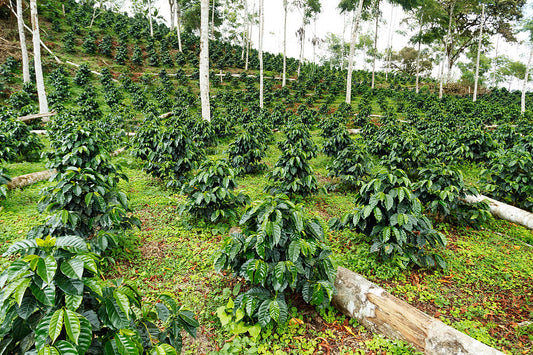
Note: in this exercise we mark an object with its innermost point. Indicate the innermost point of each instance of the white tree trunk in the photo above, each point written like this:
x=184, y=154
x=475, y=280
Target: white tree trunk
x=213, y=20
x=343, y=50
x=441, y=89
x=302, y=44
x=284, y=81
x=204, y=60
x=245, y=34
x=178, y=24
x=418, y=62
x=150, y=18
x=505, y=211
x=23, y=48
x=248, y=44
x=526, y=77
x=375, y=47
x=476, y=77
x=357, y=17
x=261, y=30
x=172, y=13
x=43, y=103
x=447, y=48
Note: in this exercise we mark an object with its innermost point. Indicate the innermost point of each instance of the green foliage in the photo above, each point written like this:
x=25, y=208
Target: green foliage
x=246, y=153
x=442, y=190
x=89, y=44
x=509, y=176
x=54, y=301
x=137, y=56
x=85, y=198
x=210, y=192
x=351, y=165
x=106, y=46
x=16, y=141
x=121, y=54
x=4, y=180
x=88, y=107
x=388, y=212
x=279, y=250
x=69, y=42
x=83, y=74
x=167, y=149
x=338, y=141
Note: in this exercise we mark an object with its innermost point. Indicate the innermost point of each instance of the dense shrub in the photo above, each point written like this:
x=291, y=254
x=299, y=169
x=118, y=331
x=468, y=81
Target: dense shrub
x=211, y=192
x=246, y=153
x=338, y=141
x=351, y=165
x=388, y=212
x=508, y=176
x=83, y=75
x=4, y=180
x=16, y=141
x=137, y=56
x=279, y=251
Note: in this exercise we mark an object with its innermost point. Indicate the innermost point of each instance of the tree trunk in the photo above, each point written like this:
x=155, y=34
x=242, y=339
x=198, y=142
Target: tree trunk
x=178, y=24
x=261, y=30
x=172, y=13
x=418, y=61
x=526, y=77
x=389, y=45
x=505, y=211
x=343, y=49
x=21, y=181
x=23, y=48
x=302, y=43
x=204, y=60
x=357, y=17
x=245, y=34
x=248, y=44
x=441, y=89
x=476, y=77
x=150, y=18
x=284, y=81
x=93, y=17
x=375, y=45
x=447, y=47
x=213, y=20
x=43, y=103
x=381, y=312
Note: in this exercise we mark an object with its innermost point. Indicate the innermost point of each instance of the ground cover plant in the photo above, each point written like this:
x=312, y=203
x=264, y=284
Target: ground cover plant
x=483, y=290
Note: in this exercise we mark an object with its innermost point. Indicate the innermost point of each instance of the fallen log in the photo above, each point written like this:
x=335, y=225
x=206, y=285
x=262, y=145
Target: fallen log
x=36, y=116
x=505, y=211
x=354, y=130
x=39, y=131
x=21, y=181
x=383, y=313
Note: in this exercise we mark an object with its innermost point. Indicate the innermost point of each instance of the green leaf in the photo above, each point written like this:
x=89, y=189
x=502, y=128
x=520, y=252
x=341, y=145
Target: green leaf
x=18, y=294
x=46, y=296
x=86, y=335
x=46, y=269
x=56, y=324
x=264, y=314
x=294, y=250
x=273, y=310
x=164, y=349
x=73, y=302
x=27, y=307
x=73, y=268
x=123, y=302
x=66, y=348
x=72, y=325
x=48, y=350
x=125, y=345
x=224, y=317
x=377, y=214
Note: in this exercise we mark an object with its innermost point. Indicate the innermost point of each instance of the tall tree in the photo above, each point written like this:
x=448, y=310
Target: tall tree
x=376, y=14
x=285, y=11
x=261, y=30
x=204, y=60
x=528, y=27
x=23, y=48
x=349, y=5
x=462, y=20
x=41, y=93
x=309, y=9
x=476, y=77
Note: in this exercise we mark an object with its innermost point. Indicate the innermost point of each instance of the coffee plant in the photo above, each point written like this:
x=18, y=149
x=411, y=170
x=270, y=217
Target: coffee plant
x=4, y=180
x=351, y=165
x=442, y=190
x=83, y=75
x=121, y=54
x=54, y=301
x=16, y=141
x=106, y=46
x=338, y=141
x=137, y=56
x=211, y=192
x=508, y=176
x=246, y=153
x=279, y=251
x=388, y=212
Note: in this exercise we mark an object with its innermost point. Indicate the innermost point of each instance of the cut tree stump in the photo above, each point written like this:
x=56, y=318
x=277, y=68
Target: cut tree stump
x=505, y=211
x=383, y=313
x=44, y=116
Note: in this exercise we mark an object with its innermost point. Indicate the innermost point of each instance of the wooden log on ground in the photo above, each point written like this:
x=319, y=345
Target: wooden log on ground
x=354, y=130
x=505, y=211
x=39, y=131
x=21, y=181
x=383, y=313
x=44, y=116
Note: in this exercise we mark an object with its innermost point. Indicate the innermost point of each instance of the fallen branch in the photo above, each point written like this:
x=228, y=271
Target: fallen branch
x=383, y=313
x=21, y=181
x=505, y=211
x=36, y=116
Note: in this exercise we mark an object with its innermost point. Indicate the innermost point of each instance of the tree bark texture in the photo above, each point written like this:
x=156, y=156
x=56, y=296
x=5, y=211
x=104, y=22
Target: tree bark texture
x=204, y=60
x=357, y=17
x=41, y=93
x=23, y=47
